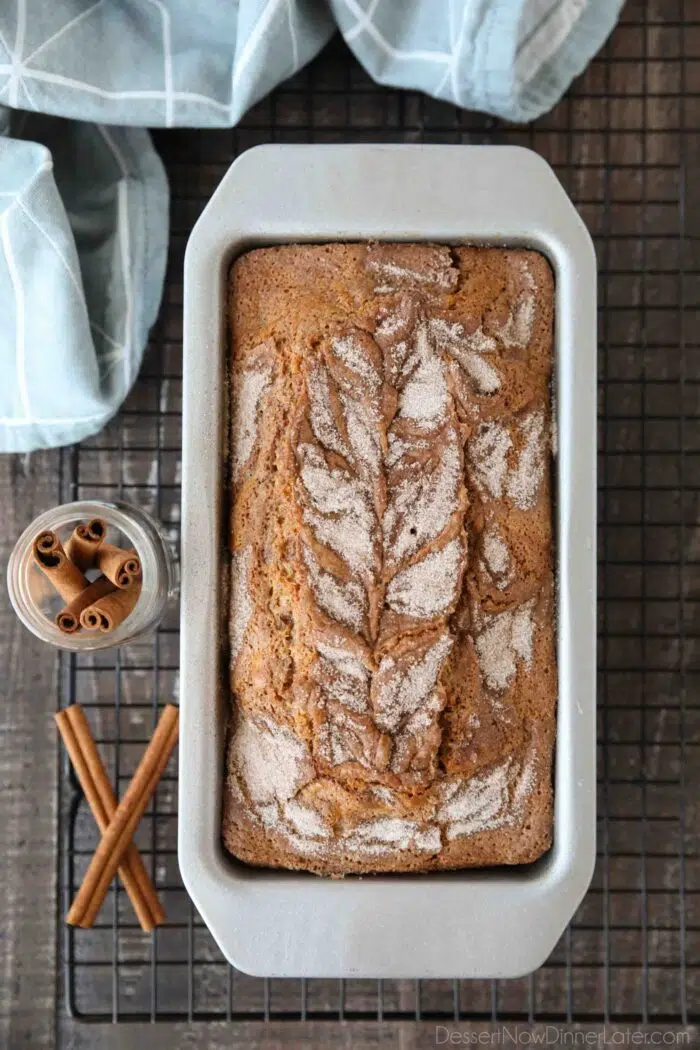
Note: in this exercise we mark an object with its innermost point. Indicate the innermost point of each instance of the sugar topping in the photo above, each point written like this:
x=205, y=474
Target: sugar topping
x=272, y=761
x=417, y=483
x=402, y=274
x=348, y=535
x=426, y=267
x=502, y=639
x=342, y=601
x=340, y=514
x=362, y=423
x=376, y=835
x=525, y=479
x=496, y=553
x=479, y=342
x=395, y=326
x=424, y=396
x=496, y=556
x=340, y=502
x=334, y=738
x=516, y=331
x=343, y=660
x=240, y=604
x=484, y=376
x=351, y=352
x=524, y=784
x=253, y=384
x=274, y=765
x=485, y=802
x=342, y=675
x=490, y=800
x=400, y=448
x=415, y=741
x=429, y=587
x=422, y=500
x=523, y=631
x=397, y=449
x=388, y=327
x=467, y=350
x=476, y=804
x=490, y=452
x=306, y=822
x=489, y=456
x=323, y=422
x=401, y=687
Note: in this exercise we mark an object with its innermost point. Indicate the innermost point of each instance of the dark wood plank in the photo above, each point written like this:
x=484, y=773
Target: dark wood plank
x=255, y=1035
x=28, y=749
x=404, y=1035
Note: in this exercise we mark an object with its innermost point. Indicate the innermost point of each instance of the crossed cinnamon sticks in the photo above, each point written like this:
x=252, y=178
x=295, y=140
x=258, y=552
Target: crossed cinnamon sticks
x=116, y=852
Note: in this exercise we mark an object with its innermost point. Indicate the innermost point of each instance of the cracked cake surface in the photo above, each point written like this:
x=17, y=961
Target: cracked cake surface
x=391, y=605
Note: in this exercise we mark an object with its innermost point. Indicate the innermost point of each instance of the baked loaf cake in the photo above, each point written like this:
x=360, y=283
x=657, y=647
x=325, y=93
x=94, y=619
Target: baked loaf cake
x=392, y=663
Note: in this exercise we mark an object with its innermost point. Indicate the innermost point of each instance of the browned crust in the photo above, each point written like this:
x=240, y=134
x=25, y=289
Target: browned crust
x=287, y=299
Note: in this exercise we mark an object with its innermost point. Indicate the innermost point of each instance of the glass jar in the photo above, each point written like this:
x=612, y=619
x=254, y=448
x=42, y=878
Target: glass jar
x=36, y=602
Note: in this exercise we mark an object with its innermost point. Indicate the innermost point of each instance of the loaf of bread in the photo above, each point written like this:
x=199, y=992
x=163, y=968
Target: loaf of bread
x=392, y=669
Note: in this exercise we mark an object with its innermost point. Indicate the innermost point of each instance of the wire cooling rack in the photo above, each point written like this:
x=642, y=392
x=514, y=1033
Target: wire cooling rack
x=625, y=142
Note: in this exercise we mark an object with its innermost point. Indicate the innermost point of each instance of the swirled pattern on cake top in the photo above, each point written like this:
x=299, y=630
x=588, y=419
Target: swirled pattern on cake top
x=391, y=625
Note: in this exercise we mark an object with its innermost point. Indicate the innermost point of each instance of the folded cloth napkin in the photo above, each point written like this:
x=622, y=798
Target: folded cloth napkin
x=84, y=206
x=83, y=244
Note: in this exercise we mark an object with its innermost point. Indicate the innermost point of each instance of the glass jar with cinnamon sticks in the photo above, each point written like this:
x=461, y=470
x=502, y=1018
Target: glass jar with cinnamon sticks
x=91, y=575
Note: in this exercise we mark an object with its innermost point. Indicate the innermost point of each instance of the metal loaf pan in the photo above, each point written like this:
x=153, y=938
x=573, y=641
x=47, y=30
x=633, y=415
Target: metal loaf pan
x=491, y=923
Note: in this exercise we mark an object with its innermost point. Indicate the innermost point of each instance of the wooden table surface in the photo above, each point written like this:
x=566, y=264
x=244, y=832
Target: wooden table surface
x=642, y=127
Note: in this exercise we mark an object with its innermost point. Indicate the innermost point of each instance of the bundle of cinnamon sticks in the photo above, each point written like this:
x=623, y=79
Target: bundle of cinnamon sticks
x=98, y=604
x=116, y=851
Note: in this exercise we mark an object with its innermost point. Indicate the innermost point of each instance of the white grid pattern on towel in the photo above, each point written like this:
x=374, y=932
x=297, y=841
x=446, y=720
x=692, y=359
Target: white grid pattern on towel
x=64, y=64
x=296, y=29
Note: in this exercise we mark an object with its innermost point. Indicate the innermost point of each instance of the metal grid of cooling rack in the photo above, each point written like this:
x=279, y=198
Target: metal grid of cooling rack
x=626, y=144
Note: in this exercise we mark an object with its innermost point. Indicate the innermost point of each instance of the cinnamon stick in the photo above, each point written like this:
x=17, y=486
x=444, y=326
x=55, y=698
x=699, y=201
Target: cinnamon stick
x=133, y=565
x=46, y=541
x=106, y=612
x=97, y=527
x=75, y=731
x=68, y=620
x=84, y=541
x=116, y=839
x=51, y=558
x=119, y=565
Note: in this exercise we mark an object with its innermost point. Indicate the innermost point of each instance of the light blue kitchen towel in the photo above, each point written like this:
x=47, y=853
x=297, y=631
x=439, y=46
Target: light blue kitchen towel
x=83, y=245
x=84, y=203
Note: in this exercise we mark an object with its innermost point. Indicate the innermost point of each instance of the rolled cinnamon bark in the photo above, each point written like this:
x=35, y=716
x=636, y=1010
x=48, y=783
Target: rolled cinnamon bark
x=108, y=612
x=46, y=541
x=68, y=620
x=120, y=566
x=84, y=542
x=51, y=558
x=97, y=528
x=133, y=565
